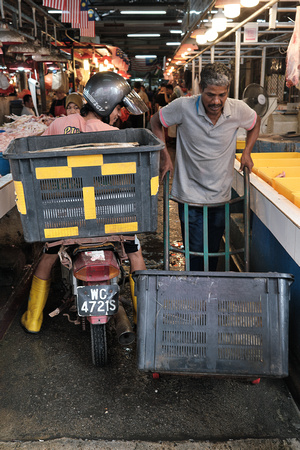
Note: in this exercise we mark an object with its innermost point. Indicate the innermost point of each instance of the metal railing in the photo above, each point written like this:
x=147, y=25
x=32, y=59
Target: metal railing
x=228, y=252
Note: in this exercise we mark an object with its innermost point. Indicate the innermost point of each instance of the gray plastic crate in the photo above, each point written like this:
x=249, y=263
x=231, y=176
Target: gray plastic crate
x=83, y=191
x=213, y=323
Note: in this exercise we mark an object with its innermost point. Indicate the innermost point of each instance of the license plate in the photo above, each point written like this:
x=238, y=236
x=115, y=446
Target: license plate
x=101, y=300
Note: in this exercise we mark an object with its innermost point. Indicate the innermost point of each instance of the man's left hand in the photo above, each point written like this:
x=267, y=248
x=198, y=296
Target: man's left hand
x=246, y=161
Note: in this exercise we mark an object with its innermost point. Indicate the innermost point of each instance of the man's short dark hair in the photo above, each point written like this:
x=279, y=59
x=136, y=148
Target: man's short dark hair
x=216, y=74
x=137, y=85
x=26, y=98
x=169, y=86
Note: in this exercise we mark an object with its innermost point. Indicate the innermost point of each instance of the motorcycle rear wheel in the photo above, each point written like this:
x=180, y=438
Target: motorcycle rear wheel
x=99, y=345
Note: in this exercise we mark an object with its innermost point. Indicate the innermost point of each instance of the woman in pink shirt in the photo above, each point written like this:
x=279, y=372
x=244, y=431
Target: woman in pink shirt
x=85, y=122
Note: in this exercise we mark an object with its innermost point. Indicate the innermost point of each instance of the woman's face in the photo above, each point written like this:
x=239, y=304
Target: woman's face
x=114, y=115
x=60, y=95
x=72, y=108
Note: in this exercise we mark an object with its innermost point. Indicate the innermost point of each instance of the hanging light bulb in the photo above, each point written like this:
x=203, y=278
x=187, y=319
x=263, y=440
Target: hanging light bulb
x=219, y=21
x=201, y=39
x=232, y=11
x=199, y=35
x=211, y=34
x=249, y=3
x=232, y=8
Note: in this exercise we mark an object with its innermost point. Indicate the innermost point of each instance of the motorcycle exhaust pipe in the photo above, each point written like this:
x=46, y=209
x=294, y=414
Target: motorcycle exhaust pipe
x=125, y=333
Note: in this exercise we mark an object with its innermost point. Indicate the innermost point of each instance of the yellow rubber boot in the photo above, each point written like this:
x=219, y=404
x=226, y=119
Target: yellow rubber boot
x=134, y=299
x=32, y=319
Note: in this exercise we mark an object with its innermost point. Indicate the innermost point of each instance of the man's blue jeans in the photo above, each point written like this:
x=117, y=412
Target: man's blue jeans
x=216, y=227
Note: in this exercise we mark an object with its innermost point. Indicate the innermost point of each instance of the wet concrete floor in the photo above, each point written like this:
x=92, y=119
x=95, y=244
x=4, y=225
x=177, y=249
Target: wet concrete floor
x=50, y=389
x=51, y=395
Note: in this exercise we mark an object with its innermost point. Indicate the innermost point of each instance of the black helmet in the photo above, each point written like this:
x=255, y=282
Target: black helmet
x=105, y=90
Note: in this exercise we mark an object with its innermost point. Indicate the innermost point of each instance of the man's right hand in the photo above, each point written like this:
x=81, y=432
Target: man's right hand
x=165, y=164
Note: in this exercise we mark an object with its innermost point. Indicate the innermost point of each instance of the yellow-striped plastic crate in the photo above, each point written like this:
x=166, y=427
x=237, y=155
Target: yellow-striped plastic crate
x=86, y=185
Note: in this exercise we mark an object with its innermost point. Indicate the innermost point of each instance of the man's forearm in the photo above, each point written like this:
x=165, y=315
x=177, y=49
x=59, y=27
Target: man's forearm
x=165, y=160
x=252, y=136
x=157, y=127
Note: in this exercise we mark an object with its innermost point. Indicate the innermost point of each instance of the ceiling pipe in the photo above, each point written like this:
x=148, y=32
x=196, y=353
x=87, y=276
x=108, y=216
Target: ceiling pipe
x=42, y=11
x=234, y=29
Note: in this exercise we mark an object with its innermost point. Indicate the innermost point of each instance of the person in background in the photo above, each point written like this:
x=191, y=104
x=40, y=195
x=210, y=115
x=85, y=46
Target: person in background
x=104, y=92
x=74, y=103
x=207, y=126
x=149, y=94
x=178, y=90
x=163, y=96
x=58, y=106
x=27, y=106
x=144, y=96
x=162, y=99
x=139, y=121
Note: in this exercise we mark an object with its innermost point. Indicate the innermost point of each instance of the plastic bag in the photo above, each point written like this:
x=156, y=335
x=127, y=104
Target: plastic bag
x=293, y=55
x=60, y=81
x=4, y=83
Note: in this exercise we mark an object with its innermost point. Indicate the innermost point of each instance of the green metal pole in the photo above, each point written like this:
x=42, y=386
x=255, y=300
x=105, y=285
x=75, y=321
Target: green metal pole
x=205, y=238
x=186, y=237
x=166, y=215
x=227, y=237
x=247, y=218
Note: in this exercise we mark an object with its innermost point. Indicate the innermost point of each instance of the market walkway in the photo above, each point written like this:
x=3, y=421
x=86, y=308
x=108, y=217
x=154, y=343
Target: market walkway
x=52, y=397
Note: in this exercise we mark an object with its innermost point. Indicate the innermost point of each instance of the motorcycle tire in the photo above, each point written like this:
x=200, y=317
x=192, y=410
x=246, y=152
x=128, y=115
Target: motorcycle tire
x=99, y=345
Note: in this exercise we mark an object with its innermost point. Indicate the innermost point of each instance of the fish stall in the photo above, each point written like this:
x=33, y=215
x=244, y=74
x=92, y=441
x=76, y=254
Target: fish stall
x=275, y=222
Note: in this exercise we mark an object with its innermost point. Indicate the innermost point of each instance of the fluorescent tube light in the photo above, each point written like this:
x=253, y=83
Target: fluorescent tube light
x=142, y=12
x=145, y=56
x=173, y=43
x=143, y=35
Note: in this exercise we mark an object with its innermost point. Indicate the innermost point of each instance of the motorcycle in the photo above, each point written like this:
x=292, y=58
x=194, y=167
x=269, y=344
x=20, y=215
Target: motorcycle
x=92, y=272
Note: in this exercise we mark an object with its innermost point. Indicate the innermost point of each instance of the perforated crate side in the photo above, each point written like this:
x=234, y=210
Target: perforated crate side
x=213, y=323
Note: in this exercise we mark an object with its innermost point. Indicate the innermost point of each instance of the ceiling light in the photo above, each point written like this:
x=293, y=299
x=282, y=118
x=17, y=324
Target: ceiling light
x=232, y=8
x=249, y=3
x=198, y=31
x=173, y=43
x=211, y=34
x=219, y=21
x=143, y=35
x=142, y=12
x=201, y=39
x=54, y=11
x=145, y=56
x=175, y=31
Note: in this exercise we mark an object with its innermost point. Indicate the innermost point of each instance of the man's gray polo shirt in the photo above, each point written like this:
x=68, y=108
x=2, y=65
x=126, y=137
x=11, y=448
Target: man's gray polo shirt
x=205, y=152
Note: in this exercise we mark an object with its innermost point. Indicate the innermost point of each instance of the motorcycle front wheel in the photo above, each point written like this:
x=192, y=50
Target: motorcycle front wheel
x=99, y=345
